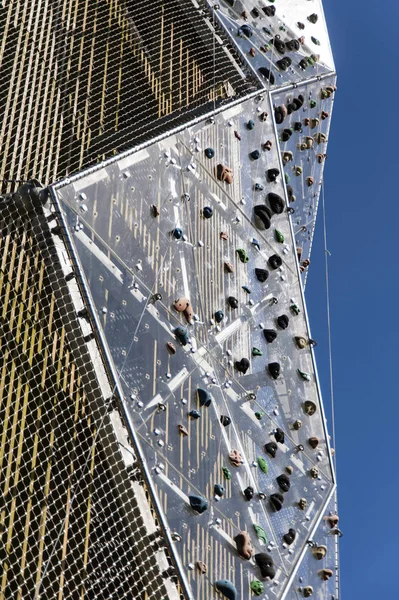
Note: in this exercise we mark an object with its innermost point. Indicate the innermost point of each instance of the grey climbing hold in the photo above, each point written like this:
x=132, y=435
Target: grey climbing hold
x=276, y=501
x=226, y=588
x=271, y=449
x=219, y=316
x=270, y=335
x=266, y=565
x=232, y=302
x=274, y=370
x=283, y=482
x=209, y=152
x=249, y=493
x=207, y=212
x=194, y=414
x=225, y=420
x=218, y=490
x=204, y=397
x=198, y=503
x=182, y=335
x=261, y=274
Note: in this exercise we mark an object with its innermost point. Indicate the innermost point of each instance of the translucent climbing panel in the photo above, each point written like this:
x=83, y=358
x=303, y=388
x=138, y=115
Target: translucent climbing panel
x=175, y=221
x=303, y=155
x=308, y=53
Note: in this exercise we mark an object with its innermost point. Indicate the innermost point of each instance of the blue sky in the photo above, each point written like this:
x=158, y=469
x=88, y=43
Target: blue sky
x=362, y=216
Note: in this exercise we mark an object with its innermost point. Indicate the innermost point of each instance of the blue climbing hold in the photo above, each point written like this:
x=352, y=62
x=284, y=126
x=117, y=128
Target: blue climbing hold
x=182, y=334
x=226, y=588
x=209, y=152
x=198, y=503
x=177, y=233
x=207, y=212
x=194, y=414
x=219, y=316
x=204, y=397
x=255, y=243
x=218, y=489
x=245, y=30
x=250, y=124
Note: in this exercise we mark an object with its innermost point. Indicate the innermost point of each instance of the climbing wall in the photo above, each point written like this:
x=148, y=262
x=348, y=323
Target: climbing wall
x=188, y=251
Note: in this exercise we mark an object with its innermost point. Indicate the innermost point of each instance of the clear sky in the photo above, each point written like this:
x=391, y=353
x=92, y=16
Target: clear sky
x=362, y=218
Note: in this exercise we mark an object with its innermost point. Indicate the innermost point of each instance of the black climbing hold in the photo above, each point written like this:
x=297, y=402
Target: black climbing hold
x=198, y=503
x=246, y=289
x=269, y=11
x=246, y=30
x=290, y=108
x=283, y=482
x=218, y=489
x=263, y=213
x=249, y=492
x=274, y=369
x=275, y=261
x=258, y=187
x=284, y=63
x=313, y=442
x=219, y=316
x=225, y=420
x=207, y=212
x=209, y=152
x=313, y=18
x=282, y=321
x=280, y=112
x=286, y=134
x=271, y=448
x=292, y=45
x=226, y=588
x=204, y=397
x=278, y=44
x=279, y=435
x=270, y=335
x=182, y=335
x=265, y=564
x=267, y=74
x=272, y=175
x=194, y=414
x=261, y=274
x=276, y=501
x=255, y=13
x=289, y=537
x=177, y=233
x=230, y=2
x=298, y=102
x=276, y=202
x=255, y=154
x=242, y=365
x=250, y=124
x=232, y=302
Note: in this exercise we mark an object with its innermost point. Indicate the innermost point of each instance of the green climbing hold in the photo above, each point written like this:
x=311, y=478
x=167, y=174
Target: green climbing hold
x=242, y=255
x=312, y=103
x=261, y=533
x=279, y=236
x=295, y=309
x=304, y=376
x=315, y=40
x=259, y=415
x=263, y=464
x=226, y=473
x=286, y=177
x=256, y=352
x=257, y=587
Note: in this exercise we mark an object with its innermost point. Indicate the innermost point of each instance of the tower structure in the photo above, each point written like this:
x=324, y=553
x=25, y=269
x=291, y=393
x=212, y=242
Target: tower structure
x=163, y=431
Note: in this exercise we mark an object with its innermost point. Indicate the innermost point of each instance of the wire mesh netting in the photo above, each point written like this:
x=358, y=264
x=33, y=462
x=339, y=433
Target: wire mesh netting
x=76, y=519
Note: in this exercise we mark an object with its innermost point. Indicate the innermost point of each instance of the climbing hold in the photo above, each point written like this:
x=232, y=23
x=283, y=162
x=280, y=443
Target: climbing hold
x=303, y=375
x=256, y=352
x=289, y=537
x=267, y=145
x=249, y=493
x=319, y=552
x=242, y=255
x=314, y=123
x=261, y=274
x=309, y=408
x=320, y=137
x=237, y=135
x=224, y=235
x=275, y=261
x=255, y=154
x=183, y=431
x=267, y=74
x=235, y=458
x=263, y=116
x=300, y=25
x=171, y=348
x=259, y=415
x=301, y=342
x=324, y=115
x=270, y=335
x=284, y=63
x=321, y=158
x=207, y=212
x=266, y=565
x=225, y=420
x=226, y=473
x=280, y=113
x=313, y=442
x=255, y=243
x=297, y=170
x=258, y=187
x=272, y=175
x=246, y=289
x=292, y=45
x=181, y=304
x=286, y=134
x=276, y=202
x=154, y=210
x=297, y=424
x=289, y=470
x=269, y=11
x=224, y=173
x=244, y=546
x=274, y=370
x=315, y=40
x=194, y=414
x=242, y=365
x=325, y=574
x=226, y=588
x=218, y=490
x=229, y=267
x=263, y=465
x=313, y=18
x=307, y=591
x=209, y=152
x=302, y=503
x=257, y=586
x=278, y=44
x=271, y=449
x=219, y=316
x=314, y=472
x=204, y=397
x=332, y=520
x=245, y=30
x=182, y=335
x=312, y=103
x=201, y=566
x=177, y=233
x=287, y=157
x=279, y=435
x=232, y=302
x=198, y=503
x=250, y=124
x=260, y=533
x=283, y=482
